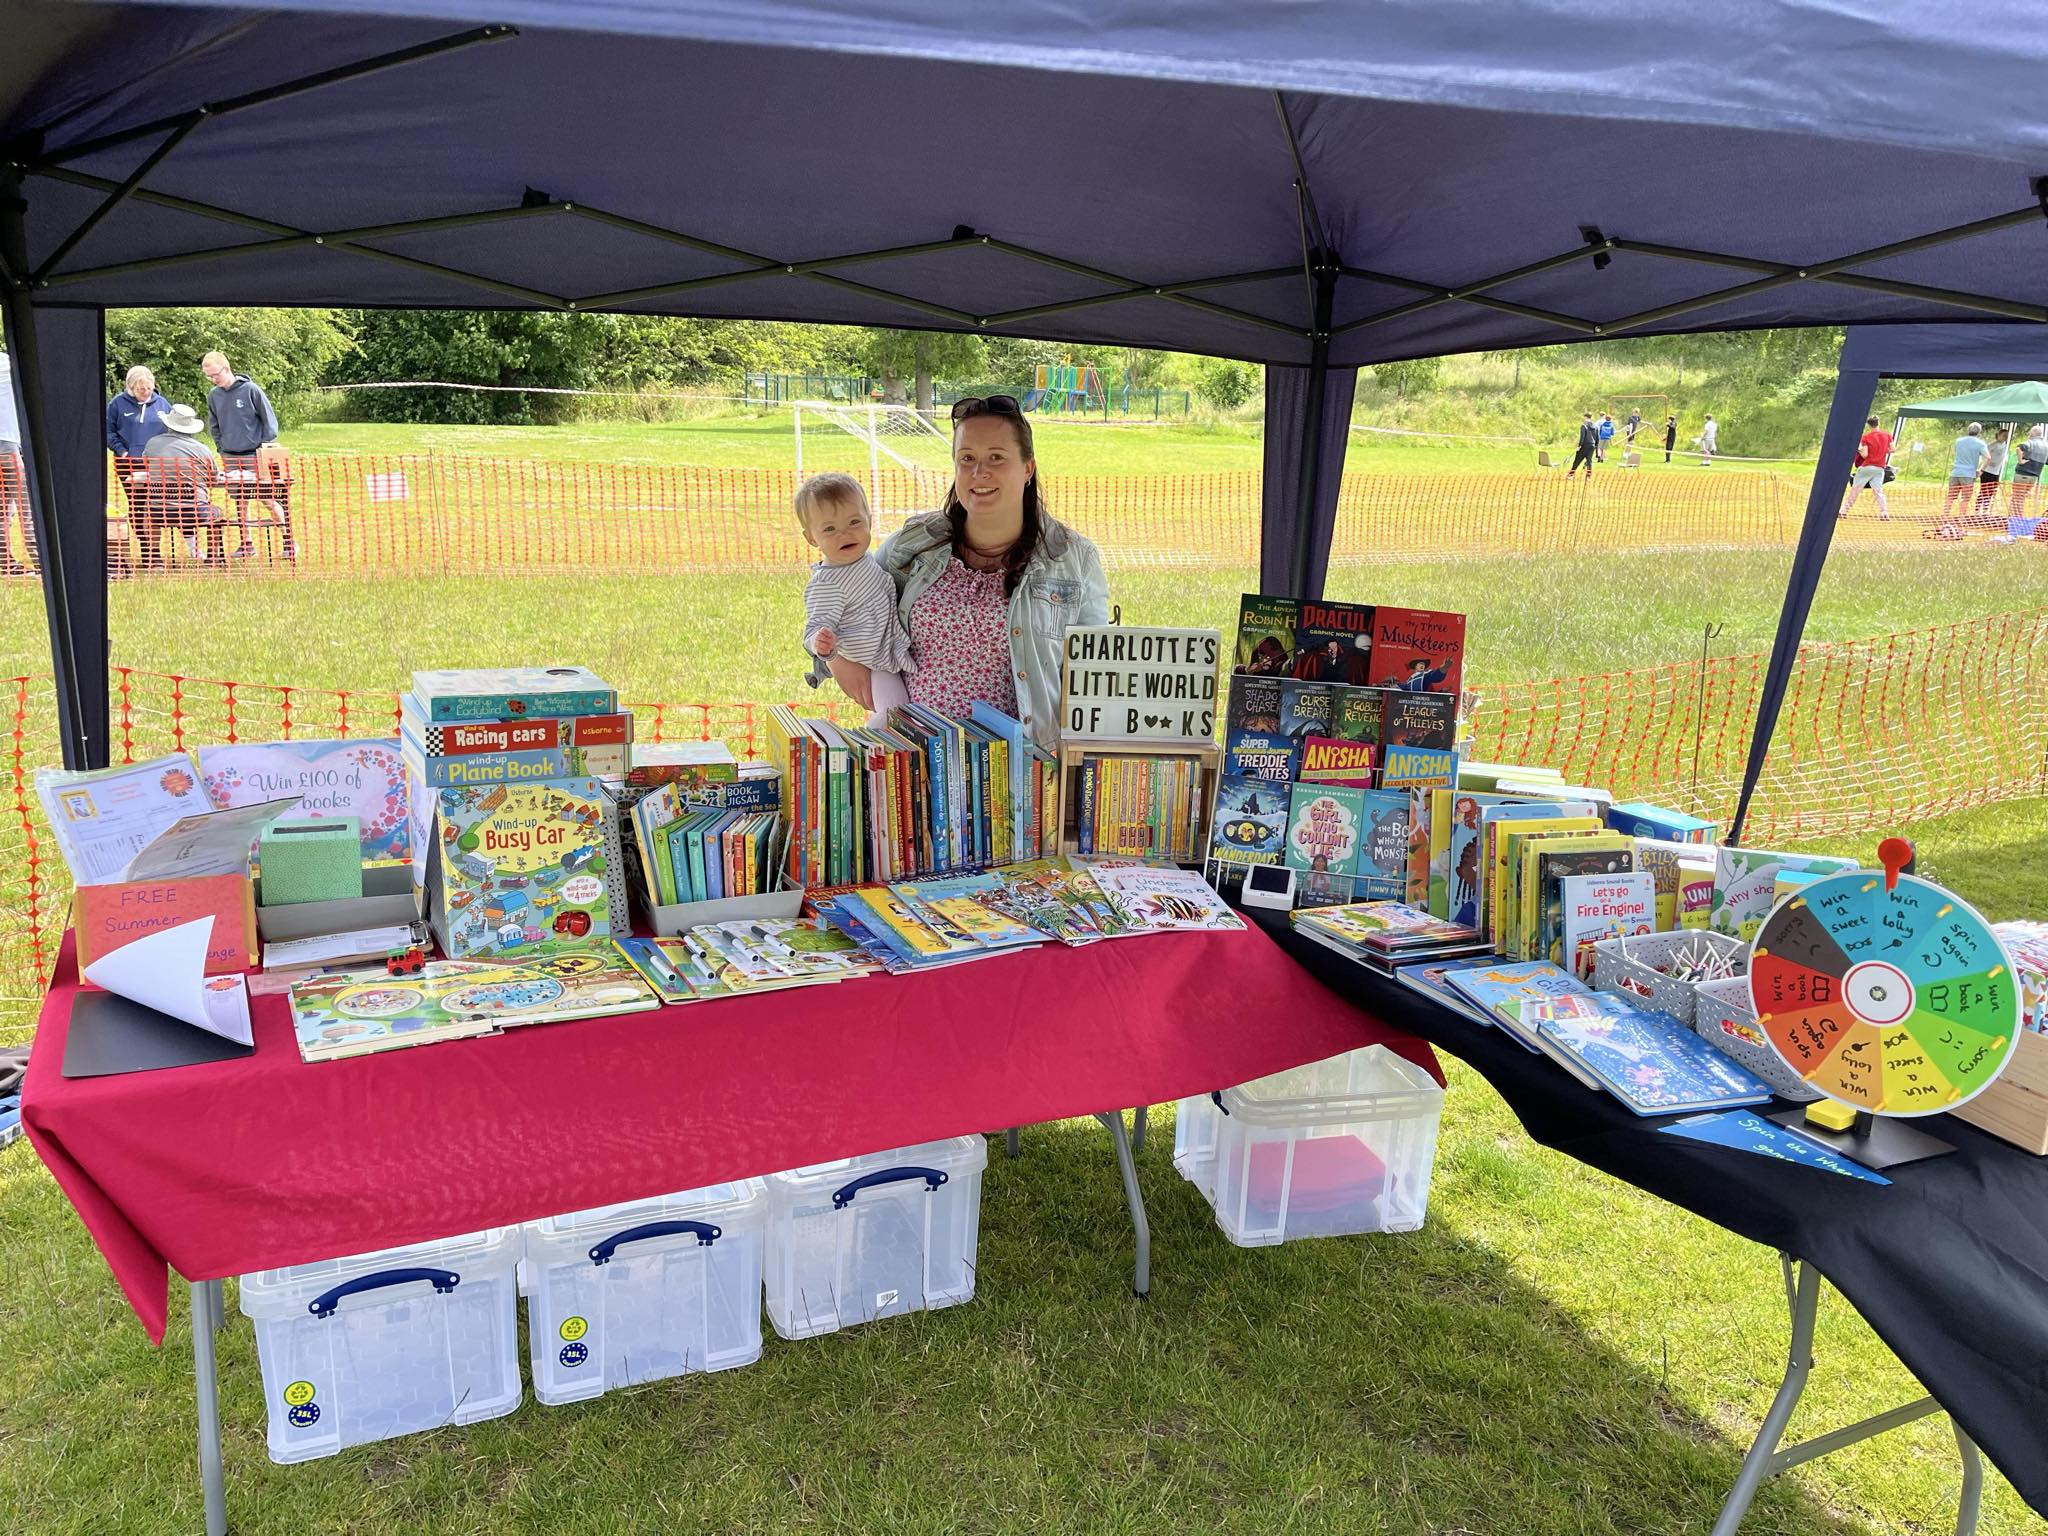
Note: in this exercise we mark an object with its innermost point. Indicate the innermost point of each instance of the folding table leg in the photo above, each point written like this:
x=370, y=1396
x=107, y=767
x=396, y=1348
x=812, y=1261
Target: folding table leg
x=1013, y=1141
x=1141, y=1281
x=1138, y=1117
x=1973, y=1482
x=1803, y=1292
x=207, y=1306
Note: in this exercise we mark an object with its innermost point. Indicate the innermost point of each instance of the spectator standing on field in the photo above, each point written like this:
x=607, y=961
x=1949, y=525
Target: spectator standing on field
x=1589, y=444
x=240, y=419
x=1992, y=470
x=1970, y=449
x=1606, y=436
x=1670, y=436
x=13, y=483
x=134, y=416
x=1873, y=456
x=2030, y=459
x=1632, y=426
x=1709, y=435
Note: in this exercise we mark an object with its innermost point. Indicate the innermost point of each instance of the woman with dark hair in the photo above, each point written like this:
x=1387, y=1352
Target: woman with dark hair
x=989, y=585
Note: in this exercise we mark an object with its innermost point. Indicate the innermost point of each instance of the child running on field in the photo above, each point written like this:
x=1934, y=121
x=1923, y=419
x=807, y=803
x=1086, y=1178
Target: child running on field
x=850, y=601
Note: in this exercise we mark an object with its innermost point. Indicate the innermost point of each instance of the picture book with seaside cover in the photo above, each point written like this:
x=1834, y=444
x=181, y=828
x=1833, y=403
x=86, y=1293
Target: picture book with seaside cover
x=1418, y=650
x=1265, y=634
x=1333, y=643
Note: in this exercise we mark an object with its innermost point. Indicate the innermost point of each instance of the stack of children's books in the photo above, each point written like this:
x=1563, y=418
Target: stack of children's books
x=924, y=794
x=1138, y=806
x=691, y=850
x=914, y=925
x=354, y=1013
x=736, y=959
x=1339, y=716
x=512, y=725
x=503, y=766
x=1386, y=934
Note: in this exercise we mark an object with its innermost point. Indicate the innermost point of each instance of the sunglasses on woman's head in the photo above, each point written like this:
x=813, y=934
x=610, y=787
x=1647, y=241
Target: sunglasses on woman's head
x=986, y=405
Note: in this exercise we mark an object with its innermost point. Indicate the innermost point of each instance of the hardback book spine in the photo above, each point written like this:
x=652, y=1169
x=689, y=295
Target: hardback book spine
x=447, y=707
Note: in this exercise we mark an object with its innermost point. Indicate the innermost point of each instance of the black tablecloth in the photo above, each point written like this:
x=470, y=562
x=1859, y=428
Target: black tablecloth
x=1948, y=1263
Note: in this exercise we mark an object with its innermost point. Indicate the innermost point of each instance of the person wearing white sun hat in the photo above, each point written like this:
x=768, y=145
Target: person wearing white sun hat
x=181, y=477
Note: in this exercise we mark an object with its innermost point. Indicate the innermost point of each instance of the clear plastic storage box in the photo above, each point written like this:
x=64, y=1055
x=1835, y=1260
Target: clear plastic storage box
x=639, y=1292
x=872, y=1237
x=1194, y=1142
x=383, y=1344
x=1339, y=1146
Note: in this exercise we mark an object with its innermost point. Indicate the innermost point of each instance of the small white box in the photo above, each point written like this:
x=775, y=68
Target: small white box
x=384, y=1344
x=871, y=1237
x=639, y=1292
x=1335, y=1147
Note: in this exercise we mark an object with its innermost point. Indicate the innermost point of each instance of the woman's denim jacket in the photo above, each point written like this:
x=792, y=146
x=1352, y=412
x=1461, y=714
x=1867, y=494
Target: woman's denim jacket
x=1062, y=586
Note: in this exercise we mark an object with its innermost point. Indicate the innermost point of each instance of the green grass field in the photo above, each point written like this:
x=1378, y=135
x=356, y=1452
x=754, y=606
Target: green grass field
x=1553, y=1353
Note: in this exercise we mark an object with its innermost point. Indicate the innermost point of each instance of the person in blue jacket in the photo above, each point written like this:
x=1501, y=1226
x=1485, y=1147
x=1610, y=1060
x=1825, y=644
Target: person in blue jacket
x=241, y=421
x=1606, y=435
x=134, y=416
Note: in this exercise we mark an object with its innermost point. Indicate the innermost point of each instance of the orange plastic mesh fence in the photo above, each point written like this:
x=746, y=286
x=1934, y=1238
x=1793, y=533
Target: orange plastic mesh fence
x=1875, y=734
x=353, y=515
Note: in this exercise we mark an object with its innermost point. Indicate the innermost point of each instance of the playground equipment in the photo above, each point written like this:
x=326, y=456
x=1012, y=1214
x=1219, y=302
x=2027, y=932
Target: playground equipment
x=1064, y=387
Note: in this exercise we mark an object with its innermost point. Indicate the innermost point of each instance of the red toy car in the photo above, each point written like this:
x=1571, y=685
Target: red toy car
x=405, y=962
x=572, y=924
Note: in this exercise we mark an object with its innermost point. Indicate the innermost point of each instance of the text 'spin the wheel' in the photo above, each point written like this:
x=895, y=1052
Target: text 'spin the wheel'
x=1885, y=992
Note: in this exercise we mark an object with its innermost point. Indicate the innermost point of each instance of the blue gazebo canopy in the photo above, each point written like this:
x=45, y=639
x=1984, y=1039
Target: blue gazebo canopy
x=1312, y=186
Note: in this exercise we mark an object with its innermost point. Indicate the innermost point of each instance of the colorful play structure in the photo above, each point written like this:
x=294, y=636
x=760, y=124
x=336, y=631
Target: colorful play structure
x=1065, y=387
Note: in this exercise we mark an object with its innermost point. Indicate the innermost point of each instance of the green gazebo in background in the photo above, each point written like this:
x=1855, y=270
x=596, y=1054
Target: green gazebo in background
x=2012, y=405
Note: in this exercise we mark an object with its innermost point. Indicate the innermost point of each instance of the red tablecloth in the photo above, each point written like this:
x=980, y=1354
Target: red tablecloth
x=237, y=1166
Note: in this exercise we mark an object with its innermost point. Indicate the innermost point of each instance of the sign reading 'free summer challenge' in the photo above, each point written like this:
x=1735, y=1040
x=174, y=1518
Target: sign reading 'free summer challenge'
x=1148, y=684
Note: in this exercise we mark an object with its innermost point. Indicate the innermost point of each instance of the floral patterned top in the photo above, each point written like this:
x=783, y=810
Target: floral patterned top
x=959, y=635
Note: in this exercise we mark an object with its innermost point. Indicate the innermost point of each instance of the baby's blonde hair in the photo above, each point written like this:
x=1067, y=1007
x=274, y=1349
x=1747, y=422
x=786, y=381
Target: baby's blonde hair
x=832, y=488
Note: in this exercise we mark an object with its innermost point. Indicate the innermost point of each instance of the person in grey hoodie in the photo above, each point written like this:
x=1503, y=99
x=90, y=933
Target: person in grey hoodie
x=240, y=420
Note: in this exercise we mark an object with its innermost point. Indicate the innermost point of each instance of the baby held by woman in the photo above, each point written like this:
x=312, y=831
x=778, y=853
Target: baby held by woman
x=850, y=601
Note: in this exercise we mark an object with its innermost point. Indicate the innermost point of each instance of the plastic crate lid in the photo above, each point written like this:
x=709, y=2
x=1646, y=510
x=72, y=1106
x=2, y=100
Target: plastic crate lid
x=282, y=1292
x=954, y=1155
x=1369, y=1083
x=716, y=1203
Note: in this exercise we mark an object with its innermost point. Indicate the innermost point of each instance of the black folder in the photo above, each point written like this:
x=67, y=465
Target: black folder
x=110, y=1035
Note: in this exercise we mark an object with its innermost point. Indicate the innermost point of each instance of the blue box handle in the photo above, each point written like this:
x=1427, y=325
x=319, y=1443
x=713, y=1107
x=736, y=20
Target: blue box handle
x=933, y=1178
x=323, y=1305
x=707, y=1234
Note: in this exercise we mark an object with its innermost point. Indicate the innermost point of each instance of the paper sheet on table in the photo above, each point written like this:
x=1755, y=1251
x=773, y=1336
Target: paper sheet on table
x=207, y=843
x=166, y=971
x=102, y=819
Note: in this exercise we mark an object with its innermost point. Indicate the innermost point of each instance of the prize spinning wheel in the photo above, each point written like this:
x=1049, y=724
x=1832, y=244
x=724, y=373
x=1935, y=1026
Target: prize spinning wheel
x=1886, y=993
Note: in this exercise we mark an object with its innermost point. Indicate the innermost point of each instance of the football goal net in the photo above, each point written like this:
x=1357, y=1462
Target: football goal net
x=902, y=456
